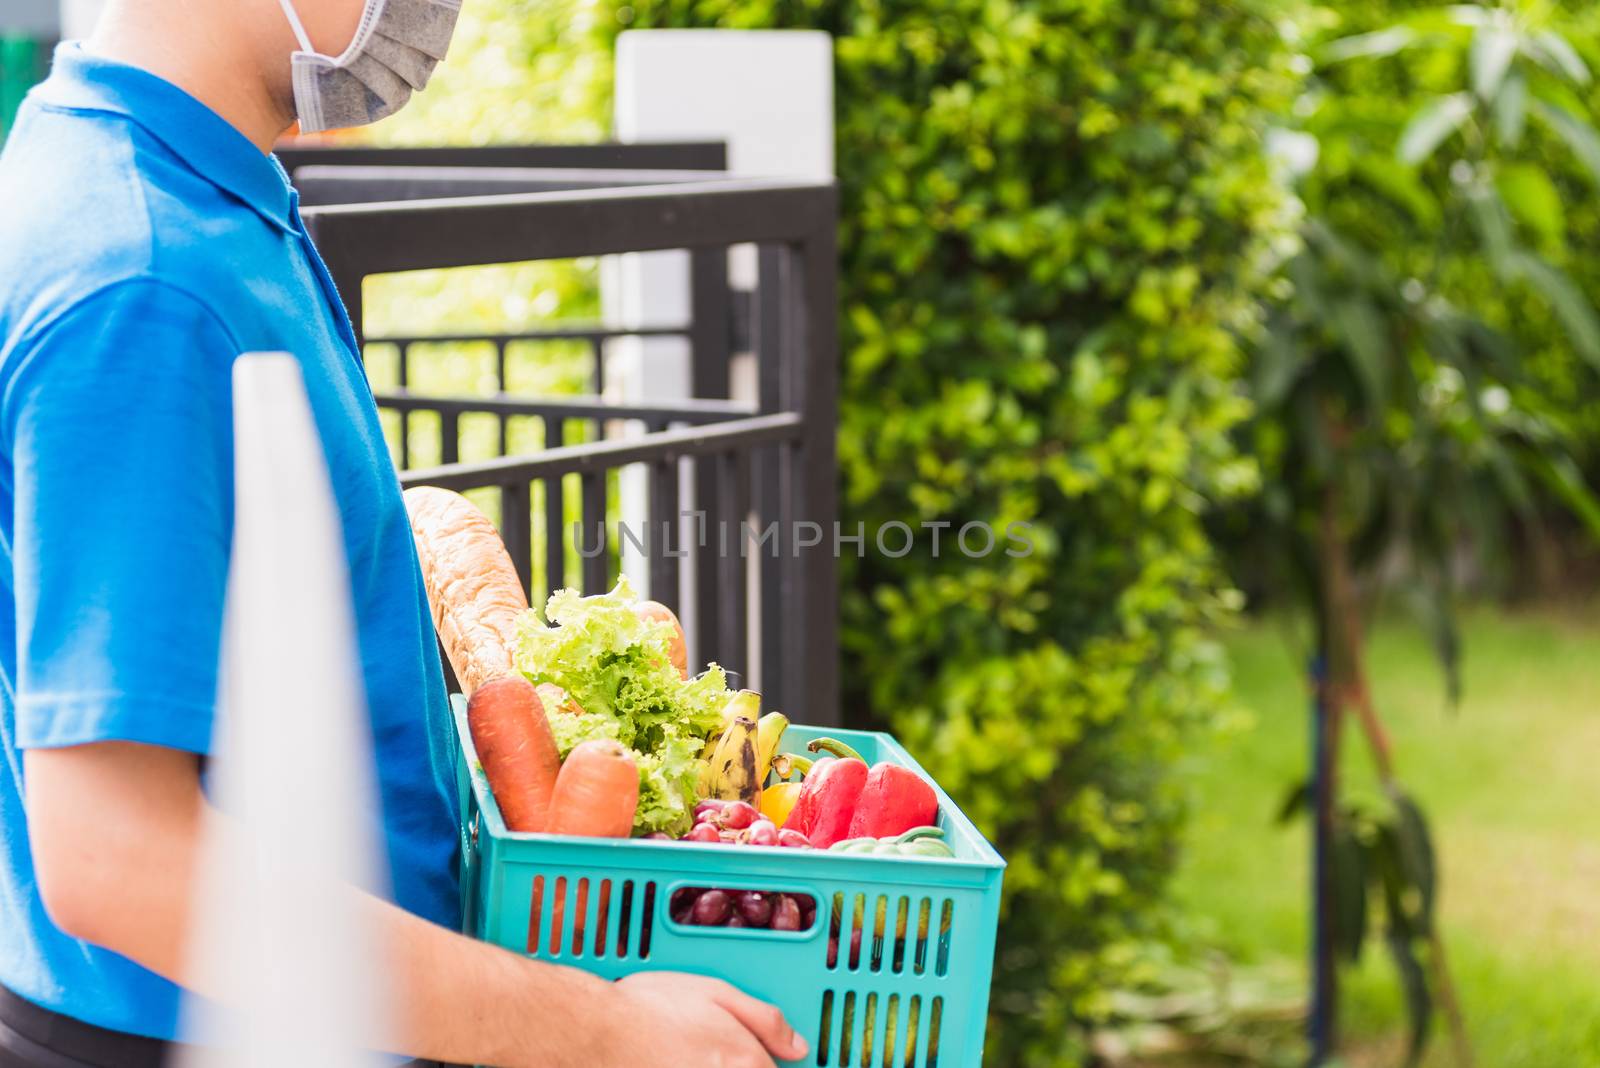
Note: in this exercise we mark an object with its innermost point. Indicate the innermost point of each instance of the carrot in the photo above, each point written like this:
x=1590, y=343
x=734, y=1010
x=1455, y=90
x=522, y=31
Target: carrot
x=596, y=793
x=517, y=750
x=655, y=610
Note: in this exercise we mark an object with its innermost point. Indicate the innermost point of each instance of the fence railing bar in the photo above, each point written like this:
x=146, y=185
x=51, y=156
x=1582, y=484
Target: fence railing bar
x=500, y=384
x=323, y=185
x=592, y=541
x=516, y=529
x=576, y=407
x=817, y=366
x=565, y=332
x=449, y=438
x=710, y=354
x=604, y=455
x=766, y=338
x=466, y=231
x=555, y=510
x=664, y=539
x=657, y=155
x=733, y=489
x=402, y=372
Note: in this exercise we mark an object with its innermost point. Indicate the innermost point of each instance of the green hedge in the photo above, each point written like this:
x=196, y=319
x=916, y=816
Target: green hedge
x=1052, y=212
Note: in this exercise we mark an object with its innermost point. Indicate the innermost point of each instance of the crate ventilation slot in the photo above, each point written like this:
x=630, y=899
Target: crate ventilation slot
x=574, y=918
x=872, y=1030
x=890, y=934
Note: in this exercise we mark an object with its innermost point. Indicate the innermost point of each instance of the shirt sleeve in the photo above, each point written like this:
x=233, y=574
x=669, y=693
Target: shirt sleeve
x=119, y=423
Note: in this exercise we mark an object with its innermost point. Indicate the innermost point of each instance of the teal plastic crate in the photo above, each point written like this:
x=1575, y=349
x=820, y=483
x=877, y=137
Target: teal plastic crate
x=916, y=995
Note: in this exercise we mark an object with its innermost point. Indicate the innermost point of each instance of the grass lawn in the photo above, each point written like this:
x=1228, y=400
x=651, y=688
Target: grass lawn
x=1512, y=782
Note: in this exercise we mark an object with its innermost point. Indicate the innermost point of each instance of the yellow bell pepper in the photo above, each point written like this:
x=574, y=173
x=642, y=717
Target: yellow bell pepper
x=777, y=801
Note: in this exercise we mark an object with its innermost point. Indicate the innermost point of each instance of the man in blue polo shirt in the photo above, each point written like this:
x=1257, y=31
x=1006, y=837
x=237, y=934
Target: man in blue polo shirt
x=147, y=238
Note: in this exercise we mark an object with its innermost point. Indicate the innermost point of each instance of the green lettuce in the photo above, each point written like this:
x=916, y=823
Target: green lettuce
x=618, y=669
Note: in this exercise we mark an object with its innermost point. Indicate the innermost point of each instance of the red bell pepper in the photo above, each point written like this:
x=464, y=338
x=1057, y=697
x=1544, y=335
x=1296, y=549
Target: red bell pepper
x=892, y=802
x=827, y=800
x=843, y=799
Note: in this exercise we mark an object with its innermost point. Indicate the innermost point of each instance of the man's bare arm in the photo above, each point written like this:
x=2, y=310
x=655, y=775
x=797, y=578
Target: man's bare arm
x=116, y=831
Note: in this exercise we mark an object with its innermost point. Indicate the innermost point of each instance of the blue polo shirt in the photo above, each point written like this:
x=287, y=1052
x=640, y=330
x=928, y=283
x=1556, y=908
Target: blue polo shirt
x=144, y=244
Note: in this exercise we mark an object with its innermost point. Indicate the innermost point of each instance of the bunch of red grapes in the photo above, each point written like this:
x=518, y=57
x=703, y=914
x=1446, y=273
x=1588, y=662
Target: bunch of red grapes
x=739, y=823
x=743, y=908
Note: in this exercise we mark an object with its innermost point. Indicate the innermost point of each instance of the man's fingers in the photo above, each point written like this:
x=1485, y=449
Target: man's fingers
x=765, y=1022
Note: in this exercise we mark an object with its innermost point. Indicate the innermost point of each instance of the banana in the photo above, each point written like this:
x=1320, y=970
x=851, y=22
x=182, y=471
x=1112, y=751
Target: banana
x=733, y=763
x=769, y=732
x=745, y=703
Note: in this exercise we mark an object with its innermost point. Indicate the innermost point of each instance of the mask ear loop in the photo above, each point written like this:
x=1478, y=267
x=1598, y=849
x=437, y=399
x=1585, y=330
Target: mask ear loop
x=295, y=24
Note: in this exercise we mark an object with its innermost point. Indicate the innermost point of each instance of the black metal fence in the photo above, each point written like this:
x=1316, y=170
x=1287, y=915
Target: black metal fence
x=647, y=156
x=735, y=488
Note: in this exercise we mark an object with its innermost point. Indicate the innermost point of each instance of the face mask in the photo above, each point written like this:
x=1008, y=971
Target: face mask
x=395, y=49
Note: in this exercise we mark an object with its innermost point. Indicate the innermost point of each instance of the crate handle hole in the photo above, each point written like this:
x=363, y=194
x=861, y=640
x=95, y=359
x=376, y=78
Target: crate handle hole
x=742, y=911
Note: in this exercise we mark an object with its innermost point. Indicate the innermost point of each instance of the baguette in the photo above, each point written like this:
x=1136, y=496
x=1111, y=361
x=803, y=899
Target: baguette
x=472, y=585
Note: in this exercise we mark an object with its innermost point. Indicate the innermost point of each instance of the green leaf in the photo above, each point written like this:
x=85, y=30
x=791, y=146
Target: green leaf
x=1565, y=298
x=1419, y=1000
x=1580, y=137
x=1553, y=52
x=1533, y=199
x=1511, y=111
x=1494, y=226
x=1283, y=360
x=1401, y=184
x=1403, y=864
x=1438, y=119
x=1365, y=339
x=1494, y=46
x=1435, y=613
x=1566, y=481
x=1370, y=45
x=1296, y=802
x=1349, y=894
x=1418, y=862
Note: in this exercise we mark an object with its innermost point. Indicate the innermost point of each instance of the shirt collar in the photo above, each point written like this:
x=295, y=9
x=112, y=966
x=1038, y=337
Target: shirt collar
x=203, y=140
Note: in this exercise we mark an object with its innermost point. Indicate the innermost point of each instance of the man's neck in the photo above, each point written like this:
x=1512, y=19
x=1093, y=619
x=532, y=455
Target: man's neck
x=209, y=57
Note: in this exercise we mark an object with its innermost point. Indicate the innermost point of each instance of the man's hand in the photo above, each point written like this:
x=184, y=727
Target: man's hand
x=688, y=1021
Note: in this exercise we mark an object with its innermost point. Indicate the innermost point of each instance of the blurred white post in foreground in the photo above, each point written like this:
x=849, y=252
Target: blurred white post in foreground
x=279, y=929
